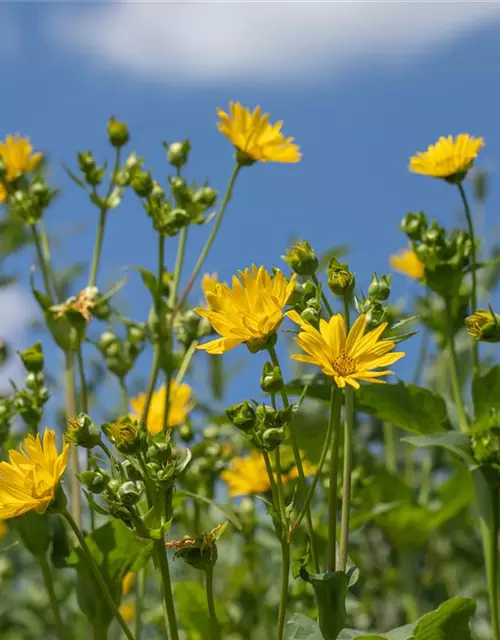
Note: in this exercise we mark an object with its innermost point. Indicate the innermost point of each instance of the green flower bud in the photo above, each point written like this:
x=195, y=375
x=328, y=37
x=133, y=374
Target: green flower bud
x=486, y=446
x=211, y=432
x=3, y=352
x=101, y=310
x=271, y=380
x=106, y=340
x=178, y=153
x=242, y=415
x=136, y=333
x=260, y=344
x=130, y=492
x=117, y=133
x=374, y=315
x=86, y=162
x=434, y=234
x=311, y=315
x=33, y=358
x=309, y=290
x=83, y=432
x=414, y=224
x=272, y=438
x=185, y=432
x=340, y=281
x=160, y=452
x=34, y=380
x=94, y=481
x=484, y=326
x=206, y=196
x=142, y=184
x=176, y=220
x=180, y=190
x=126, y=434
x=158, y=192
x=380, y=290
x=302, y=259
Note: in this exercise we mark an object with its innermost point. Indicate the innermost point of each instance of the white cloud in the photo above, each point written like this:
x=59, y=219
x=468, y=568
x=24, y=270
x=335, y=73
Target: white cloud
x=205, y=42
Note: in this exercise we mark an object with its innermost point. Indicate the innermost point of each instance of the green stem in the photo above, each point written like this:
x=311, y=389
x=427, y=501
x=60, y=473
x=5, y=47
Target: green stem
x=140, y=588
x=209, y=587
x=47, y=257
x=97, y=574
x=168, y=600
x=470, y=226
x=285, y=572
x=49, y=586
x=103, y=214
x=83, y=382
x=455, y=380
x=333, y=419
x=346, y=489
x=211, y=237
x=490, y=527
x=186, y=361
x=42, y=262
x=410, y=585
x=390, y=447
x=335, y=413
x=272, y=482
x=326, y=302
x=298, y=461
x=70, y=412
x=123, y=396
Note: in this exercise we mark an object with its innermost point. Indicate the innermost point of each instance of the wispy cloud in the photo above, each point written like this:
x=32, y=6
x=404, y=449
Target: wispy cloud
x=205, y=42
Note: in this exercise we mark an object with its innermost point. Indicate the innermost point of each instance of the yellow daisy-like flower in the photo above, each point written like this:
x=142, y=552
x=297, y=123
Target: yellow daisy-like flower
x=345, y=359
x=249, y=313
x=180, y=406
x=209, y=283
x=449, y=158
x=29, y=481
x=407, y=262
x=17, y=154
x=254, y=136
x=248, y=474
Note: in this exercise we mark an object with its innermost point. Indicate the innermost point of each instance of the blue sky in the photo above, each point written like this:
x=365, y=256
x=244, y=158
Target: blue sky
x=361, y=86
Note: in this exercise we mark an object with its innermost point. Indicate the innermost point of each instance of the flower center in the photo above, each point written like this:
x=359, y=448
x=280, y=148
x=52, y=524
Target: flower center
x=344, y=364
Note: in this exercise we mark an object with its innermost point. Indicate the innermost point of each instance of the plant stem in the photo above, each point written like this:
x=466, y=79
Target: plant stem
x=97, y=574
x=333, y=419
x=285, y=571
x=211, y=237
x=70, y=412
x=140, y=587
x=470, y=226
x=346, y=489
x=490, y=528
x=168, y=600
x=83, y=382
x=42, y=262
x=209, y=587
x=326, y=302
x=410, y=585
x=298, y=461
x=123, y=395
x=335, y=413
x=390, y=447
x=49, y=586
x=455, y=380
x=47, y=257
x=103, y=214
x=186, y=361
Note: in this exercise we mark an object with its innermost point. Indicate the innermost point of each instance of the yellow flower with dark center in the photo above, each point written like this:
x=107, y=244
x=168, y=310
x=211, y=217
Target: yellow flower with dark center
x=407, y=262
x=249, y=313
x=18, y=157
x=345, y=359
x=30, y=480
x=449, y=158
x=484, y=325
x=255, y=137
x=180, y=405
x=248, y=475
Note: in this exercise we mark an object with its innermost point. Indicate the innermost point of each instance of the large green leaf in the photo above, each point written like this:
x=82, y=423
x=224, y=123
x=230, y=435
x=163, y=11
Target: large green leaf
x=301, y=627
x=454, y=441
x=451, y=621
x=486, y=395
x=191, y=604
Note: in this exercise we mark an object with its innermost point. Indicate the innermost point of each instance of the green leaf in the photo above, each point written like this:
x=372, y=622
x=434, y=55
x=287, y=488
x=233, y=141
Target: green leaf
x=401, y=633
x=75, y=179
x=148, y=278
x=301, y=627
x=191, y=604
x=451, y=621
x=486, y=396
x=226, y=509
x=454, y=441
x=330, y=593
x=406, y=406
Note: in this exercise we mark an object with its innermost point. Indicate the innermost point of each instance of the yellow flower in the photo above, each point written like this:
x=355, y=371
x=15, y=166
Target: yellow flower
x=484, y=325
x=248, y=475
x=17, y=154
x=180, y=405
x=127, y=611
x=449, y=158
x=209, y=282
x=407, y=262
x=254, y=136
x=345, y=359
x=29, y=481
x=249, y=313
x=128, y=582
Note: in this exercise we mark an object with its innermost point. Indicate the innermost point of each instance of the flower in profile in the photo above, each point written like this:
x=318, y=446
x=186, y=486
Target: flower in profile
x=209, y=283
x=125, y=433
x=345, y=359
x=30, y=480
x=249, y=313
x=484, y=326
x=248, y=475
x=449, y=159
x=255, y=138
x=179, y=406
x=407, y=262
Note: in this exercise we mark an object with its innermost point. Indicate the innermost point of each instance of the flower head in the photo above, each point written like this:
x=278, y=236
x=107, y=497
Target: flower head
x=125, y=433
x=346, y=359
x=179, y=407
x=255, y=138
x=407, y=262
x=17, y=154
x=449, y=158
x=484, y=326
x=248, y=474
x=30, y=480
x=249, y=313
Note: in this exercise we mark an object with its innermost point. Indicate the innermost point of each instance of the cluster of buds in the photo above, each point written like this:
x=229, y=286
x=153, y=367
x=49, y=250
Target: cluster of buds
x=446, y=255
x=29, y=199
x=306, y=301
x=263, y=425
x=373, y=305
x=186, y=204
x=189, y=326
x=210, y=456
x=30, y=401
x=120, y=355
x=145, y=475
x=92, y=173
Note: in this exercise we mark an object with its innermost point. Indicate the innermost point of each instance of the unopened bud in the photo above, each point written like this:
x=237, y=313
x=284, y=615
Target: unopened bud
x=271, y=380
x=340, y=280
x=185, y=432
x=242, y=415
x=142, y=184
x=206, y=196
x=33, y=358
x=272, y=438
x=414, y=224
x=380, y=289
x=130, y=492
x=302, y=259
x=117, y=133
x=83, y=432
x=178, y=153
x=94, y=481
